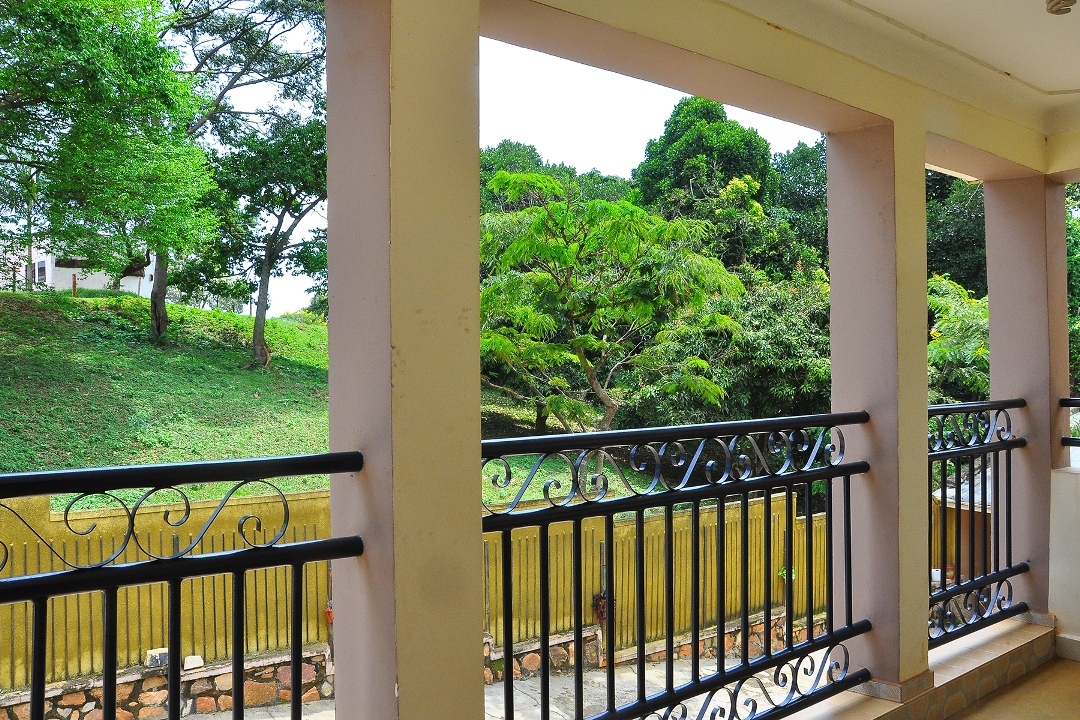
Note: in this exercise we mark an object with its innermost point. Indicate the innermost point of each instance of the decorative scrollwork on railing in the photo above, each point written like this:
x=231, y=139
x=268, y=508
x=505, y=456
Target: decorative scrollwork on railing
x=975, y=606
x=761, y=695
x=574, y=475
x=158, y=508
x=967, y=428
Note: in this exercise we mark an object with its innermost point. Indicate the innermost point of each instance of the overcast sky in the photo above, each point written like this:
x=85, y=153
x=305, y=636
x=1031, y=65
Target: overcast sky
x=574, y=114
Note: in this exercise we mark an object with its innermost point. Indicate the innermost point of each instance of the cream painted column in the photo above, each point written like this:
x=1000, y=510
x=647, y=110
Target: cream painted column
x=1029, y=354
x=404, y=355
x=877, y=259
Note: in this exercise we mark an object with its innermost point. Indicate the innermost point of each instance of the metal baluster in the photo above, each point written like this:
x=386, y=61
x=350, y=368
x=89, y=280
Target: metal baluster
x=721, y=579
x=1008, y=508
x=37, y=671
x=239, y=644
x=767, y=572
x=744, y=528
x=985, y=526
x=669, y=597
x=970, y=517
x=789, y=568
x=297, y=638
x=175, y=657
x=943, y=524
x=108, y=677
x=579, y=651
x=640, y=597
x=545, y=624
x=695, y=592
x=830, y=564
x=847, y=551
x=997, y=511
x=609, y=593
x=809, y=523
x=508, y=624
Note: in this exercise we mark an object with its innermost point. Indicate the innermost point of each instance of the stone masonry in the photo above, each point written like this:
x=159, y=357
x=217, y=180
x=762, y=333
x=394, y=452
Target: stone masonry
x=141, y=693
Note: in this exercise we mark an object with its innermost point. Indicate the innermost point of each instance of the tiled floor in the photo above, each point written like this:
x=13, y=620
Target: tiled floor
x=1050, y=692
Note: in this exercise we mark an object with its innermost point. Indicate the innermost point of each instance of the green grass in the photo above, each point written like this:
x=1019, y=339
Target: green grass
x=81, y=385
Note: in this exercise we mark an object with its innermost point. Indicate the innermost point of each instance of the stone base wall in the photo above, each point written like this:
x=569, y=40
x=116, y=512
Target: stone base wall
x=526, y=662
x=141, y=693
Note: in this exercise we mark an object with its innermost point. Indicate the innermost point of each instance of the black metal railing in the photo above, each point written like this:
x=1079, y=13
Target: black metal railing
x=969, y=472
x=624, y=480
x=160, y=494
x=1069, y=440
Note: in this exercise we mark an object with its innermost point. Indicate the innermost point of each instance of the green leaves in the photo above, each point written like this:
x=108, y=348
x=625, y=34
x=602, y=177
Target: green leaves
x=586, y=282
x=958, y=353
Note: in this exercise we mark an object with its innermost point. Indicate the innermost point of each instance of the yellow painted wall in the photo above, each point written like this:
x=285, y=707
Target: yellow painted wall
x=75, y=632
x=526, y=564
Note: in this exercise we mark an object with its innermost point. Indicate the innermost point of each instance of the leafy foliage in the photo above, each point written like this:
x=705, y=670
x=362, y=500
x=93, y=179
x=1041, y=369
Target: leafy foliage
x=576, y=289
x=767, y=350
x=959, y=350
x=699, y=145
x=797, y=194
x=956, y=231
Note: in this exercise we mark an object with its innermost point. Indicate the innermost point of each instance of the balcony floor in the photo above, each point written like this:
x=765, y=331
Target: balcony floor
x=1049, y=692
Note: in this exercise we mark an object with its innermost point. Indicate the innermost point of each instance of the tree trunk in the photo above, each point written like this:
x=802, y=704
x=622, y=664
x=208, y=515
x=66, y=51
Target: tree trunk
x=610, y=406
x=258, y=334
x=159, y=316
x=541, y=417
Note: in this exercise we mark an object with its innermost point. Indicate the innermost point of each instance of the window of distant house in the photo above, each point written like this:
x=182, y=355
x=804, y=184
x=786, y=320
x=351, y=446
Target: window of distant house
x=41, y=271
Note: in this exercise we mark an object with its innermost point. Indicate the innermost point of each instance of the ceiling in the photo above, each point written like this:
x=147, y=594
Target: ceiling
x=1010, y=57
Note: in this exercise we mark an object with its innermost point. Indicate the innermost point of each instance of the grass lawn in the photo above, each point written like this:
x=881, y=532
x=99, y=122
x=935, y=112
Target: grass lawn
x=82, y=386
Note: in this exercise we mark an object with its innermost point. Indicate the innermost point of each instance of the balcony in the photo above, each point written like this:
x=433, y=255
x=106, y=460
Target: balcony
x=693, y=571
x=985, y=91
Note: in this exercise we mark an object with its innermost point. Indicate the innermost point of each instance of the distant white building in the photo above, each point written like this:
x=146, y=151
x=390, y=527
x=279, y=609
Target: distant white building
x=60, y=274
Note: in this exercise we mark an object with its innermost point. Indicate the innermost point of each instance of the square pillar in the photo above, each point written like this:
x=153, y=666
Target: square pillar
x=877, y=260
x=403, y=139
x=1029, y=355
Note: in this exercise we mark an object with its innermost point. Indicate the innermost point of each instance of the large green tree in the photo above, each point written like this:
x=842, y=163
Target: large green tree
x=273, y=180
x=773, y=360
x=577, y=290
x=956, y=231
x=797, y=194
x=699, y=146
x=90, y=103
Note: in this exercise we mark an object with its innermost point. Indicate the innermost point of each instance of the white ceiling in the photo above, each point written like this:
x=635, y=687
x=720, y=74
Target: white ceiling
x=1010, y=57
x=1015, y=37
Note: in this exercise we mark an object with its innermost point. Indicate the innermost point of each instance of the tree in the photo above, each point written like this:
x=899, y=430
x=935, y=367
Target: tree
x=125, y=195
x=770, y=359
x=699, y=144
x=956, y=231
x=578, y=289
x=515, y=157
x=83, y=82
x=958, y=353
x=274, y=180
x=233, y=45
x=797, y=194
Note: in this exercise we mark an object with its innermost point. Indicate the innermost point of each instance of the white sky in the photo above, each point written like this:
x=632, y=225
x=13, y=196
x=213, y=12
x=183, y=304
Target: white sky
x=574, y=114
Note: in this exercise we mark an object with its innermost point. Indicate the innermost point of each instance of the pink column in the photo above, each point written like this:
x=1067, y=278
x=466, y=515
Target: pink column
x=402, y=135
x=877, y=258
x=1029, y=354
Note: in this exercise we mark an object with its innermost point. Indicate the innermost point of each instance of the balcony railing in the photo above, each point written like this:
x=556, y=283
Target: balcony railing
x=698, y=602
x=969, y=472
x=159, y=495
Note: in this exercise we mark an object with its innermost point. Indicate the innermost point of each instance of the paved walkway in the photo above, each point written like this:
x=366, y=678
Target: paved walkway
x=318, y=710
x=527, y=690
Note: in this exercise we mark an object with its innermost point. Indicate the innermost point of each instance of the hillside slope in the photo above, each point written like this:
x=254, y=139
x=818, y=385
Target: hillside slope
x=81, y=385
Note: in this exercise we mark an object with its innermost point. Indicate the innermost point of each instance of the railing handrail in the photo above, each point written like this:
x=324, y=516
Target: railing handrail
x=69, y=582
x=593, y=440
x=977, y=406
x=1070, y=402
x=90, y=480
